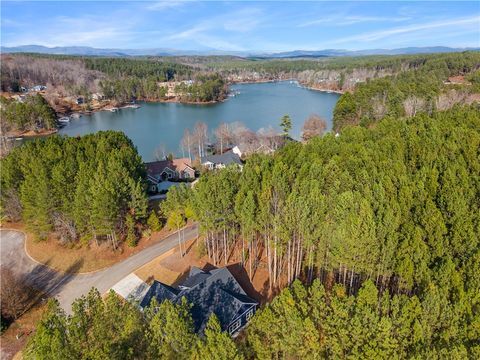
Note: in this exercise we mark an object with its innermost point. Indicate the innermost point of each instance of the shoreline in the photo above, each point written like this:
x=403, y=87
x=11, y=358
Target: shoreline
x=31, y=134
x=305, y=86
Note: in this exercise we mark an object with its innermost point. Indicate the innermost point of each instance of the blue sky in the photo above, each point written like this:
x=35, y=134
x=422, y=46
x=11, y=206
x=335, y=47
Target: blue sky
x=241, y=26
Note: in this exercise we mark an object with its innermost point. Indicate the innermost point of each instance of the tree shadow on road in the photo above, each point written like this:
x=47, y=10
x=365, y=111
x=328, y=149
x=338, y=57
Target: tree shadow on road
x=49, y=281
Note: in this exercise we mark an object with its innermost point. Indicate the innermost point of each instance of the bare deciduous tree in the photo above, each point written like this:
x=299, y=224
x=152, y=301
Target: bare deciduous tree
x=16, y=296
x=187, y=142
x=223, y=135
x=270, y=137
x=379, y=107
x=447, y=100
x=200, y=136
x=65, y=228
x=412, y=105
x=11, y=207
x=313, y=126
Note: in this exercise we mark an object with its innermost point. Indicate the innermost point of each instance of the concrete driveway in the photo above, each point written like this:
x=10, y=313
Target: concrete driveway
x=67, y=287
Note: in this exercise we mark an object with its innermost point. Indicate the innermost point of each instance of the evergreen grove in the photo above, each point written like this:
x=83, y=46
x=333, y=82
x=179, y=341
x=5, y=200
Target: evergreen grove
x=77, y=186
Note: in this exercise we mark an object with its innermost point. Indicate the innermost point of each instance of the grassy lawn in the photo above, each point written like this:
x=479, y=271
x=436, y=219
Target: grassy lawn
x=80, y=259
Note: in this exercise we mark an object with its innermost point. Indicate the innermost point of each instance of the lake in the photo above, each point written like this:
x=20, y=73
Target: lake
x=256, y=105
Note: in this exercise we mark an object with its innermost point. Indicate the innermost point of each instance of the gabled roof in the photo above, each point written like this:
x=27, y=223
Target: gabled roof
x=215, y=291
x=160, y=292
x=156, y=168
x=226, y=158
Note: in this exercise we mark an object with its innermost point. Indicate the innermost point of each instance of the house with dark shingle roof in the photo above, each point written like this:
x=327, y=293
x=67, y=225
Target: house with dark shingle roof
x=220, y=161
x=210, y=292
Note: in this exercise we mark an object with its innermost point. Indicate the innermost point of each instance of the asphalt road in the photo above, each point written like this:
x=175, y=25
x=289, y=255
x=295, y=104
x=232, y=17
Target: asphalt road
x=67, y=287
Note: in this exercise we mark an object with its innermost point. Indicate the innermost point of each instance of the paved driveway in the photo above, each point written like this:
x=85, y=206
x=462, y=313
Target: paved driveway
x=68, y=287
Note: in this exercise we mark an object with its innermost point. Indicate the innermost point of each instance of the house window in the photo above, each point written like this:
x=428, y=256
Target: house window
x=249, y=314
x=234, y=326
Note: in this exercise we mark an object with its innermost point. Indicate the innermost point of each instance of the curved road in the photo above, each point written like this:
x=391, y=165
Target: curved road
x=67, y=287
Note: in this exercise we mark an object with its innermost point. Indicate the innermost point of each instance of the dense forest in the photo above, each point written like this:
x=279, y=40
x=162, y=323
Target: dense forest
x=79, y=187
x=384, y=203
x=424, y=89
x=34, y=113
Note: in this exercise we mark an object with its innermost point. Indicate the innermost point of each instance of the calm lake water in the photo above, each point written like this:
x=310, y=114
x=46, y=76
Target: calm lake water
x=256, y=106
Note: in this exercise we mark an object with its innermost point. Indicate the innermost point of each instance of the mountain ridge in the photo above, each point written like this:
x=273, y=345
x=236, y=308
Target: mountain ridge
x=91, y=51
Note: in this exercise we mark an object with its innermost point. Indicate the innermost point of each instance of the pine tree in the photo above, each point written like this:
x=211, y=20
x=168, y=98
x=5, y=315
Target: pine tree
x=50, y=341
x=170, y=330
x=217, y=345
x=131, y=231
x=153, y=222
x=286, y=125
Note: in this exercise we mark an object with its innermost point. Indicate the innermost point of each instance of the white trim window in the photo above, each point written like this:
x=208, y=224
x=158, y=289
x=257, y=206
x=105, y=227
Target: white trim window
x=234, y=326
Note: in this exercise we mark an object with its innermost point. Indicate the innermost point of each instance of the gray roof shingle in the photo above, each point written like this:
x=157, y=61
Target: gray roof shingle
x=215, y=291
x=226, y=159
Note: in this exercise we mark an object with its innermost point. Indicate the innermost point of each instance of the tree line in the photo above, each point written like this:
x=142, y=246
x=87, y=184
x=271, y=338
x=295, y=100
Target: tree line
x=89, y=187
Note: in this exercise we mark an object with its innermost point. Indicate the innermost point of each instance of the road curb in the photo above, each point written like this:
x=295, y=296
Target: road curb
x=25, y=247
x=78, y=273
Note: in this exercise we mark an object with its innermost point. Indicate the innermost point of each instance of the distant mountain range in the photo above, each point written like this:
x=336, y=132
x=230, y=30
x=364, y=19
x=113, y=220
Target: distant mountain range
x=89, y=51
x=400, y=51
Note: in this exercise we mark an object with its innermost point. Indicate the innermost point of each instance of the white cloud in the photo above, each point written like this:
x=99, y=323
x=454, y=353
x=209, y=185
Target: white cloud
x=340, y=20
x=385, y=33
x=208, y=32
x=87, y=30
x=165, y=5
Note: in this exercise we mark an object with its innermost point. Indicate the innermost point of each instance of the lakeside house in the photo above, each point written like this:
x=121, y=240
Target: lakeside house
x=168, y=170
x=98, y=96
x=221, y=161
x=38, y=88
x=210, y=292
